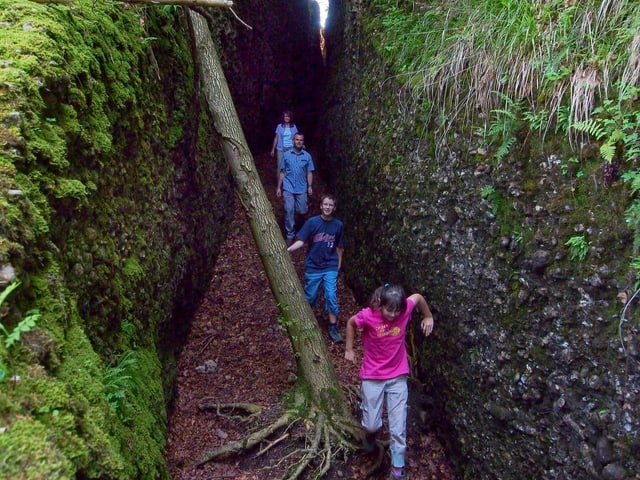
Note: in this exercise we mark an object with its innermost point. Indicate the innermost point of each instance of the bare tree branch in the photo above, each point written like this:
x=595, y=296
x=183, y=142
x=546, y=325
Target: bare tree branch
x=240, y=20
x=188, y=3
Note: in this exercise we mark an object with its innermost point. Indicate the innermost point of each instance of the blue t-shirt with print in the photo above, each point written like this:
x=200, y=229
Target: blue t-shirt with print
x=323, y=237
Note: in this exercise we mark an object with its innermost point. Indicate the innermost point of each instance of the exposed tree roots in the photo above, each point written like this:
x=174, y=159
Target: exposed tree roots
x=324, y=441
x=249, y=409
x=249, y=441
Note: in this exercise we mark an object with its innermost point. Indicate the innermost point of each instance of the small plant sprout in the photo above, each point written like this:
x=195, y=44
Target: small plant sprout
x=578, y=248
x=492, y=196
x=25, y=325
x=13, y=336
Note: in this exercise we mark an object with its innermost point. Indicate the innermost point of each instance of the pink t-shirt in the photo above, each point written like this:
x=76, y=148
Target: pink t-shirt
x=385, y=354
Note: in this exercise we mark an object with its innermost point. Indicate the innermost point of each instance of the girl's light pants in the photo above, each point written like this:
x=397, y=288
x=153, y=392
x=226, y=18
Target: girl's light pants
x=396, y=392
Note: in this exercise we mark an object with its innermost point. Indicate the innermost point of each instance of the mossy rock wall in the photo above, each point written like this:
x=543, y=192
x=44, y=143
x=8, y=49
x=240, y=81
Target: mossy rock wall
x=114, y=199
x=527, y=372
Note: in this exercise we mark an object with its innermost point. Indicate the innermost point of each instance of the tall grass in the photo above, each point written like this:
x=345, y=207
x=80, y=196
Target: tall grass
x=465, y=57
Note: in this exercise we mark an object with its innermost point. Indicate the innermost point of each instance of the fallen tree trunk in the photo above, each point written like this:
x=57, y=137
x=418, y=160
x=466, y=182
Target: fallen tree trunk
x=313, y=359
x=318, y=389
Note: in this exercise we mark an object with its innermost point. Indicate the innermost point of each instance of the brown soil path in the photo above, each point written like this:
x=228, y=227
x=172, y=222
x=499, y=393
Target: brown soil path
x=237, y=352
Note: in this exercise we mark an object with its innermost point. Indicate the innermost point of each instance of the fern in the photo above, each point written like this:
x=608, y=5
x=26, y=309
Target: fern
x=25, y=325
x=635, y=265
x=628, y=91
x=119, y=380
x=493, y=197
x=504, y=124
x=503, y=150
x=608, y=150
x=632, y=214
x=536, y=120
x=632, y=146
x=578, y=247
x=632, y=153
x=505, y=119
x=593, y=127
x=632, y=176
x=5, y=293
x=632, y=217
x=563, y=120
x=617, y=123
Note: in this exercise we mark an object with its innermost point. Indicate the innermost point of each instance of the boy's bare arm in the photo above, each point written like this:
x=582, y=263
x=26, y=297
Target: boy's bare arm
x=295, y=245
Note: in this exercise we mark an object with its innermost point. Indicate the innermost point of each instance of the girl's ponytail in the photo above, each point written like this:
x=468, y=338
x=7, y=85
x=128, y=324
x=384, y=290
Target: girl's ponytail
x=376, y=298
x=391, y=297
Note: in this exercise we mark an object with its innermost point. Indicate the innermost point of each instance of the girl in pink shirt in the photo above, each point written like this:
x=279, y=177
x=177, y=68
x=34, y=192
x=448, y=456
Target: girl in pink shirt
x=385, y=366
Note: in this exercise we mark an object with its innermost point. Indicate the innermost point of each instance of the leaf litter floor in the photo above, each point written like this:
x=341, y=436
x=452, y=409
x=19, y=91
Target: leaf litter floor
x=237, y=352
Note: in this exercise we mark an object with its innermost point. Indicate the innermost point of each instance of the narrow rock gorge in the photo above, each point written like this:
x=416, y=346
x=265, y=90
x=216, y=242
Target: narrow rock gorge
x=115, y=199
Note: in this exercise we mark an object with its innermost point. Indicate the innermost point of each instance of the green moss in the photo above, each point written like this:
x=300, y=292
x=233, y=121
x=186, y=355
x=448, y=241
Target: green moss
x=29, y=453
x=98, y=233
x=70, y=188
x=132, y=268
x=147, y=430
x=82, y=376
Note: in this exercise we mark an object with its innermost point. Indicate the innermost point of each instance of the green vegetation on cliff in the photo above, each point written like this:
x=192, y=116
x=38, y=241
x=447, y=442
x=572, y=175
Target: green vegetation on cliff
x=492, y=156
x=468, y=59
x=511, y=71
x=103, y=148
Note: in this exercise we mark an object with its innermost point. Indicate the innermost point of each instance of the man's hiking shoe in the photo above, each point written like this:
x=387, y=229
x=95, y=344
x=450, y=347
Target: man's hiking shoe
x=402, y=476
x=334, y=334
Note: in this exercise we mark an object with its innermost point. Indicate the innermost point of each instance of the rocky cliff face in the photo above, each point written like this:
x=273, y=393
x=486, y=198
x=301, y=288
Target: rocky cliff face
x=114, y=197
x=531, y=372
x=108, y=176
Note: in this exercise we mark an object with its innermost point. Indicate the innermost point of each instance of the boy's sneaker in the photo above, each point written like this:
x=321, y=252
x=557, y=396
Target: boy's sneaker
x=334, y=334
x=402, y=476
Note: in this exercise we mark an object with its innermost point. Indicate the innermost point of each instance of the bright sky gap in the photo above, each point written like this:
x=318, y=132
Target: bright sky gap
x=324, y=11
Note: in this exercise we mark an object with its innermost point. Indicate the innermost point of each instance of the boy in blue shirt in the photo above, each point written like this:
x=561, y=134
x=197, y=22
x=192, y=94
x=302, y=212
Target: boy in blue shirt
x=325, y=236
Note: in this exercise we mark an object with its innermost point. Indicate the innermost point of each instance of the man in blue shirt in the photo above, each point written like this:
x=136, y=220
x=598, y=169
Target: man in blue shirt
x=295, y=184
x=324, y=235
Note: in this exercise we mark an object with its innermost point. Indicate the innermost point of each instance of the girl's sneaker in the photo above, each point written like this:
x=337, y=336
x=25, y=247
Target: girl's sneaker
x=402, y=476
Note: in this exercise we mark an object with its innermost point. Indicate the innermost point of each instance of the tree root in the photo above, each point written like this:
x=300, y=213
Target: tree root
x=327, y=440
x=249, y=409
x=247, y=442
x=272, y=444
x=324, y=442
